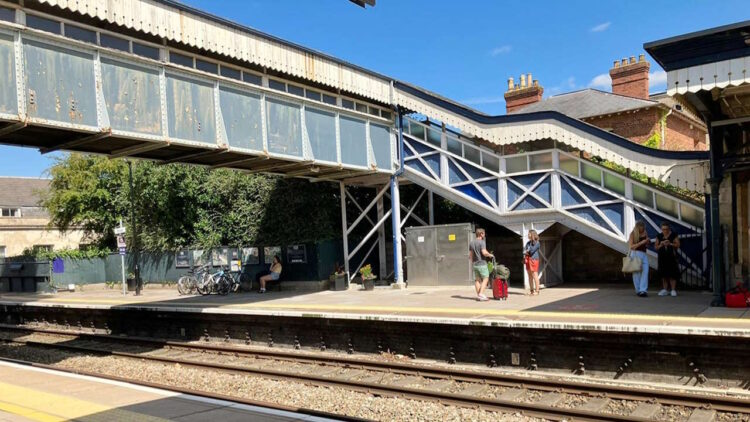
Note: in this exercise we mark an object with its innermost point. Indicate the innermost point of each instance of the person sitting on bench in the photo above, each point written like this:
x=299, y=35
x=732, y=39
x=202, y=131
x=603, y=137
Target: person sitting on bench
x=273, y=275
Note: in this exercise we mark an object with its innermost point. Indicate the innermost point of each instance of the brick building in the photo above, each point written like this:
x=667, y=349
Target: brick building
x=629, y=110
x=24, y=223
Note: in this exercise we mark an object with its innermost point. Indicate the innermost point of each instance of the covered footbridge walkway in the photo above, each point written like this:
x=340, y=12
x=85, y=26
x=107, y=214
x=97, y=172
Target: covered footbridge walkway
x=159, y=80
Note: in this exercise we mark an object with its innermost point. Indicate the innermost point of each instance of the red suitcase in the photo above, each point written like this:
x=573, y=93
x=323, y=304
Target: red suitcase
x=499, y=289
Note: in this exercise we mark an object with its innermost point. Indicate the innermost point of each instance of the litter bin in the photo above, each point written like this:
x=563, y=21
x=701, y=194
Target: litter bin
x=339, y=282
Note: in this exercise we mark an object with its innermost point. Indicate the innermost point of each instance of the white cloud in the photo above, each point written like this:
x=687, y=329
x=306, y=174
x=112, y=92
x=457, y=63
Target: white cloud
x=503, y=49
x=602, y=81
x=571, y=81
x=601, y=27
x=483, y=100
x=657, y=79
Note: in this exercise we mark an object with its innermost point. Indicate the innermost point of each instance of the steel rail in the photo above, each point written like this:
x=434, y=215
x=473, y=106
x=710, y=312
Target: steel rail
x=666, y=397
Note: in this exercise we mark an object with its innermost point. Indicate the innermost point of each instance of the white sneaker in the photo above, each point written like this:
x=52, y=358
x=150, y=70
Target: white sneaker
x=674, y=293
x=482, y=298
x=664, y=292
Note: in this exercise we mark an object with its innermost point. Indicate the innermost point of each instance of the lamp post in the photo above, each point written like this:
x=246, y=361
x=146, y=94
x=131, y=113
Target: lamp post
x=136, y=270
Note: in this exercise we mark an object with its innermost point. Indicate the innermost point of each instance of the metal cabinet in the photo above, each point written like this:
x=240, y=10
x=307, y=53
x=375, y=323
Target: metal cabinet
x=438, y=255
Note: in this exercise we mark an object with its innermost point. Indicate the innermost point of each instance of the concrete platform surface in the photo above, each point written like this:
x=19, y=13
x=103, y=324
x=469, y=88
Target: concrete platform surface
x=585, y=308
x=34, y=394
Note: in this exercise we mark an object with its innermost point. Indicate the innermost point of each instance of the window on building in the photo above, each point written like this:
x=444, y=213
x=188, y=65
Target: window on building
x=7, y=14
x=44, y=24
x=43, y=248
x=11, y=212
x=206, y=66
x=2, y=251
x=146, y=51
x=80, y=34
x=109, y=41
x=180, y=59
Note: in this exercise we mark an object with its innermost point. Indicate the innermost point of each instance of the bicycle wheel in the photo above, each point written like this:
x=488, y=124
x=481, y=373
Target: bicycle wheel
x=223, y=285
x=246, y=282
x=205, y=285
x=185, y=284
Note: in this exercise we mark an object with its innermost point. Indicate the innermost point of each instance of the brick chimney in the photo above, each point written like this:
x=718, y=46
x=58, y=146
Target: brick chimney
x=523, y=94
x=630, y=77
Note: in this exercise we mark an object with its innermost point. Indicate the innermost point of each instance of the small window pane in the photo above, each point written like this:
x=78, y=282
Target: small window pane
x=516, y=164
x=109, y=41
x=146, y=51
x=433, y=137
x=228, y=72
x=80, y=34
x=691, y=215
x=7, y=14
x=643, y=195
x=454, y=146
x=329, y=99
x=666, y=205
x=380, y=136
x=361, y=108
x=312, y=95
x=206, y=66
x=614, y=183
x=374, y=111
x=385, y=114
x=296, y=90
x=490, y=162
x=416, y=130
x=284, y=127
x=252, y=78
x=353, y=141
x=568, y=164
x=591, y=173
x=180, y=59
x=43, y=24
x=347, y=103
x=321, y=131
x=540, y=161
x=471, y=154
x=277, y=85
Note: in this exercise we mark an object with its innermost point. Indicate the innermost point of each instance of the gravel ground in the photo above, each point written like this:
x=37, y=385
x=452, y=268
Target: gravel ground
x=674, y=413
x=334, y=400
x=621, y=407
x=731, y=417
x=573, y=400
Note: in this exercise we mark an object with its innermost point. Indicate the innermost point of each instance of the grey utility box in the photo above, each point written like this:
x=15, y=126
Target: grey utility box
x=439, y=255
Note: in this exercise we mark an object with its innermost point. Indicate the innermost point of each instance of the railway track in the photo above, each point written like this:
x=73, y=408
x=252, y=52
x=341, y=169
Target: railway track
x=535, y=397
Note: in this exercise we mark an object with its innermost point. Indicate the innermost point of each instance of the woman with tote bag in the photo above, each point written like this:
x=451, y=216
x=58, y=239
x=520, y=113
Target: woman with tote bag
x=638, y=243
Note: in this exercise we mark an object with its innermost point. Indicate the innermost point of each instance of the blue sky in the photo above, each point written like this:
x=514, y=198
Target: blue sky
x=466, y=50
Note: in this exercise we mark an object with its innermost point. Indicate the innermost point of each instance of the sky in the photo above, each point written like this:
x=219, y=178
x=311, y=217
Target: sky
x=466, y=50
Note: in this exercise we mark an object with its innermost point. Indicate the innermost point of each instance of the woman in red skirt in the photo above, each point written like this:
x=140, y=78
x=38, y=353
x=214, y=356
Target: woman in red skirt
x=531, y=259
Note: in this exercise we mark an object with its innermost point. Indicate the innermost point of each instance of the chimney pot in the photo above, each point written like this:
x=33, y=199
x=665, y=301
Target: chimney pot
x=616, y=63
x=510, y=84
x=632, y=59
x=641, y=58
x=536, y=83
x=523, y=81
x=528, y=80
x=624, y=62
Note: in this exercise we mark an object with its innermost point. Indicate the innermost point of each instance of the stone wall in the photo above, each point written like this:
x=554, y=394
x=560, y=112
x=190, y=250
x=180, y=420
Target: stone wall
x=588, y=261
x=17, y=234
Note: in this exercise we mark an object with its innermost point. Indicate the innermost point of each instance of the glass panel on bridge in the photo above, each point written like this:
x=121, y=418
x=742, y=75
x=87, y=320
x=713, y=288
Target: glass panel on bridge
x=8, y=94
x=321, y=130
x=132, y=96
x=252, y=78
x=229, y=72
x=643, y=195
x=205, y=66
x=433, y=137
x=60, y=84
x=146, y=51
x=80, y=34
x=490, y=162
x=416, y=130
x=242, y=118
x=353, y=141
x=190, y=108
x=569, y=164
x=691, y=215
x=666, y=205
x=591, y=173
x=540, y=161
x=7, y=14
x=115, y=43
x=614, y=183
x=454, y=146
x=284, y=127
x=517, y=164
x=380, y=136
x=43, y=24
x=180, y=59
x=472, y=154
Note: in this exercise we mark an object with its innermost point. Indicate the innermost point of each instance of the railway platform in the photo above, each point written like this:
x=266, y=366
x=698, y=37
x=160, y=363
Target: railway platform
x=606, y=309
x=38, y=394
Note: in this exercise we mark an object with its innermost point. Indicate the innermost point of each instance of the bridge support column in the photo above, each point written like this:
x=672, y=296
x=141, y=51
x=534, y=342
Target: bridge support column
x=524, y=237
x=383, y=270
x=398, y=271
x=431, y=208
x=345, y=229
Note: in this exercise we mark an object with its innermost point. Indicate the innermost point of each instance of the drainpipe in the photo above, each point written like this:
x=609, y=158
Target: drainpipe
x=398, y=274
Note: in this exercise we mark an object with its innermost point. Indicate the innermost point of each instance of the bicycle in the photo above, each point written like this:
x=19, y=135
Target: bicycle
x=218, y=283
x=188, y=283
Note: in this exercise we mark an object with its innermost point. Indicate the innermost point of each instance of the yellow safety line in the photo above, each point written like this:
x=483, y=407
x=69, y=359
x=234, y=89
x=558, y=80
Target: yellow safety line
x=27, y=413
x=26, y=402
x=661, y=318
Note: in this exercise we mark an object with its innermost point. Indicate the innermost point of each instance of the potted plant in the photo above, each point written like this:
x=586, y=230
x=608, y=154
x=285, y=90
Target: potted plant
x=339, y=281
x=367, y=277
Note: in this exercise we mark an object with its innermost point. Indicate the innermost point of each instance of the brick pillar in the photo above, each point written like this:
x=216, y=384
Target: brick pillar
x=518, y=96
x=630, y=77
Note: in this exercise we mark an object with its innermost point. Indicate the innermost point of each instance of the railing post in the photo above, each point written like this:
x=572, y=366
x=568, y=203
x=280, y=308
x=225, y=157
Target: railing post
x=398, y=272
x=555, y=181
x=629, y=212
x=502, y=188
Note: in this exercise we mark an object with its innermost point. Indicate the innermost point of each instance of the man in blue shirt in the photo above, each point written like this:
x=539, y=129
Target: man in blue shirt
x=477, y=253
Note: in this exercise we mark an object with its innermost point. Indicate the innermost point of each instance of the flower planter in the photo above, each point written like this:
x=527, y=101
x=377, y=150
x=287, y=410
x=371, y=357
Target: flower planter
x=339, y=282
x=369, y=284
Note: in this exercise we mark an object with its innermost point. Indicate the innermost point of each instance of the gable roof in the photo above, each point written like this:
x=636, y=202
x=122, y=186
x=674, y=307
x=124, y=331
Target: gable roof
x=22, y=191
x=587, y=103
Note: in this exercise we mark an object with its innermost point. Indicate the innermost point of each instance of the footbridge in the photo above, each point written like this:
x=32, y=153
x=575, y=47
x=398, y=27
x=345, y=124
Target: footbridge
x=159, y=80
